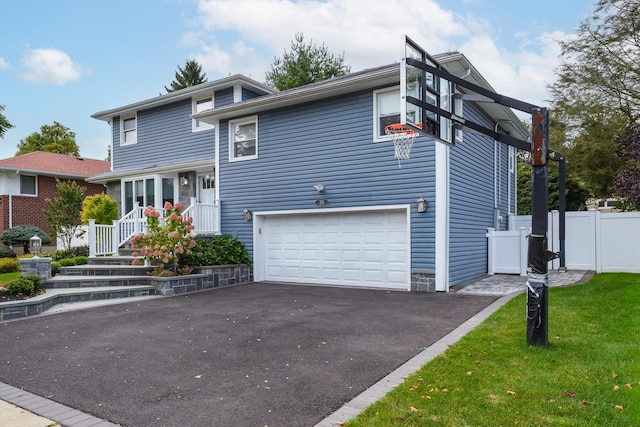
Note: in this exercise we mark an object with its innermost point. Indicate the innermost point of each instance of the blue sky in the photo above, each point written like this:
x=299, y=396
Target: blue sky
x=65, y=60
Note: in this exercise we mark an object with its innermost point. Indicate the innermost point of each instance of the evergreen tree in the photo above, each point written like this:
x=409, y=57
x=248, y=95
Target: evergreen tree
x=188, y=76
x=306, y=63
x=53, y=139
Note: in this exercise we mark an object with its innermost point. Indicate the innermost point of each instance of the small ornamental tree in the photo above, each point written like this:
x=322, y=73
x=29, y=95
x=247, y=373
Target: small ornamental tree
x=63, y=213
x=21, y=234
x=100, y=207
x=166, y=240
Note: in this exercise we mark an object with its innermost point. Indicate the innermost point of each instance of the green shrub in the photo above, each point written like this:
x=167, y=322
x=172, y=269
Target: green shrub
x=67, y=262
x=21, y=285
x=21, y=235
x=100, y=207
x=55, y=268
x=81, y=260
x=9, y=265
x=36, y=280
x=6, y=252
x=70, y=253
x=220, y=250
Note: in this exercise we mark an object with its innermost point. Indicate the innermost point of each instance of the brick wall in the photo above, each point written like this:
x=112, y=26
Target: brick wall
x=29, y=210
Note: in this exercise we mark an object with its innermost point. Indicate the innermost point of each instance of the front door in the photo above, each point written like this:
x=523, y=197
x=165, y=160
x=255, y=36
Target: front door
x=206, y=189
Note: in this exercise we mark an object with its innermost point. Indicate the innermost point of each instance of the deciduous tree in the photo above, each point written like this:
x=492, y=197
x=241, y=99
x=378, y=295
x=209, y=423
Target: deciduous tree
x=53, y=139
x=306, y=63
x=63, y=213
x=5, y=125
x=628, y=180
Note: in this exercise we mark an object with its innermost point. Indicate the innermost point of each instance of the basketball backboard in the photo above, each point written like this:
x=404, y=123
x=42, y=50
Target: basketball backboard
x=417, y=87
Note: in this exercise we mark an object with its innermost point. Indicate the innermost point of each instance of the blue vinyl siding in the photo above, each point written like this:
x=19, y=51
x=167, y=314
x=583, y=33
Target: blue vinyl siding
x=164, y=136
x=223, y=97
x=249, y=94
x=471, y=201
x=328, y=142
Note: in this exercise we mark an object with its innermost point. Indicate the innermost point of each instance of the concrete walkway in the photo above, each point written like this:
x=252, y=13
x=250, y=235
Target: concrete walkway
x=20, y=408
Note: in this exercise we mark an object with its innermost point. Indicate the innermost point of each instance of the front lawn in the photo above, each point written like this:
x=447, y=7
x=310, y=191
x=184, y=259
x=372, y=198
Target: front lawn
x=589, y=375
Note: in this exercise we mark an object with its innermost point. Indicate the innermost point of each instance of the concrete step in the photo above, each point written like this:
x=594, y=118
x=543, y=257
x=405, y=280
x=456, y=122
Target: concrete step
x=67, y=281
x=53, y=297
x=121, y=259
x=105, y=270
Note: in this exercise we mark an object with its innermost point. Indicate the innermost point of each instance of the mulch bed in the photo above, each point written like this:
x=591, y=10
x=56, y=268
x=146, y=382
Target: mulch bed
x=6, y=296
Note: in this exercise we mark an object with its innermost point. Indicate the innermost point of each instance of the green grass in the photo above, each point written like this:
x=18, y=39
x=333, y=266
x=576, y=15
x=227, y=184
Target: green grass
x=7, y=277
x=589, y=375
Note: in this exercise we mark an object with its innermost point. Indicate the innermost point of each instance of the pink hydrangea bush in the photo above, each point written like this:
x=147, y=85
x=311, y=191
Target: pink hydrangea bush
x=165, y=240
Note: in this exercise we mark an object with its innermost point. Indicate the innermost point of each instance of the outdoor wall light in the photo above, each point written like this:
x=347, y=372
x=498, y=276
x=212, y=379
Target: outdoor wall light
x=319, y=188
x=248, y=215
x=35, y=245
x=184, y=180
x=421, y=204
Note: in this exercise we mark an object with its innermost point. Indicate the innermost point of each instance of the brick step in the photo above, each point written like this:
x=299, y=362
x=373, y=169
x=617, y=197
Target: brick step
x=105, y=270
x=64, y=281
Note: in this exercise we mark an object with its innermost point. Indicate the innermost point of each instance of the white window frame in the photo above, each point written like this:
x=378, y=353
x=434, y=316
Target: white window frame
x=197, y=125
x=376, y=117
x=134, y=131
x=459, y=109
x=35, y=185
x=232, y=141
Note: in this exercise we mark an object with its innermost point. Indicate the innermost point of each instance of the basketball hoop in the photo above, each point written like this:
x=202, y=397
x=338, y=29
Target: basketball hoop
x=402, y=138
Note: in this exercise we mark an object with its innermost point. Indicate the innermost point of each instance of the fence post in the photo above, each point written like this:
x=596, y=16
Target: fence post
x=596, y=220
x=524, y=247
x=115, y=237
x=92, y=237
x=512, y=225
x=490, y=246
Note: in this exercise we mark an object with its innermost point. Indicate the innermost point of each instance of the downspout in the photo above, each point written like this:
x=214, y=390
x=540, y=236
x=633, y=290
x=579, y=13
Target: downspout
x=11, y=199
x=496, y=183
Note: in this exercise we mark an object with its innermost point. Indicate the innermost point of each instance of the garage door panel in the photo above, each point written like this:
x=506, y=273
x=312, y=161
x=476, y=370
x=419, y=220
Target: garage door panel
x=368, y=248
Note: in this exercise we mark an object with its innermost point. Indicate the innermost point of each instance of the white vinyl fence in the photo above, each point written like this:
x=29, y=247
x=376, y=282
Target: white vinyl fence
x=602, y=242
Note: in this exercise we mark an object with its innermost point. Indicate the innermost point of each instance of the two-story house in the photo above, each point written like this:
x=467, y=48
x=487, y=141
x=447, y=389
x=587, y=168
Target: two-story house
x=307, y=178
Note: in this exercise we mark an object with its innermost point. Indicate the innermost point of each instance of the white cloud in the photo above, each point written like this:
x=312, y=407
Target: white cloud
x=50, y=66
x=3, y=64
x=243, y=36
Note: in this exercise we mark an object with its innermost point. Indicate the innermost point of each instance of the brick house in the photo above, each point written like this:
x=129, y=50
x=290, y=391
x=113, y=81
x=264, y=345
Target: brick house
x=28, y=180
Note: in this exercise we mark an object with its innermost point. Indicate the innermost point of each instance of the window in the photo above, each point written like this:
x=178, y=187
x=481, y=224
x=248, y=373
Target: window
x=386, y=110
x=243, y=139
x=128, y=130
x=200, y=105
x=141, y=191
x=28, y=185
x=167, y=190
x=459, y=111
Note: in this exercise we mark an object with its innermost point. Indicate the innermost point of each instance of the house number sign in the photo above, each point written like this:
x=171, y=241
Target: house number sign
x=322, y=202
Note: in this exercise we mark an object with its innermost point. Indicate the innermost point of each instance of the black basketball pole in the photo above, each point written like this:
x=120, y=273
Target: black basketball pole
x=537, y=271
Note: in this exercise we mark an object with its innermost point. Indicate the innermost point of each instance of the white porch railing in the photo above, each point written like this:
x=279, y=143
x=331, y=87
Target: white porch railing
x=107, y=239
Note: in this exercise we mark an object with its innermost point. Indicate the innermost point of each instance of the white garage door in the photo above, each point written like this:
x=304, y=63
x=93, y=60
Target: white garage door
x=363, y=248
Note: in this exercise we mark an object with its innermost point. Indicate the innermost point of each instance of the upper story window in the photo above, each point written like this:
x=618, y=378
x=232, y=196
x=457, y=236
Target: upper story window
x=28, y=185
x=200, y=105
x=386, y=111
x=243, y=139
x=128, y=130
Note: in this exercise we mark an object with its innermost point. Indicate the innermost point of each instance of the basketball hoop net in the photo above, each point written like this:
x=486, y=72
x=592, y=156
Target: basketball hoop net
x=402, y=138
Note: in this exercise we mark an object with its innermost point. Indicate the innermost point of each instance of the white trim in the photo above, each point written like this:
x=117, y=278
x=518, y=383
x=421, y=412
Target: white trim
x=238, y=122
x=442, y=217
x=237, y=93
x=376, y=118
x=198, y=125
x=134, y=131
x=35, y=185
x=259, y=262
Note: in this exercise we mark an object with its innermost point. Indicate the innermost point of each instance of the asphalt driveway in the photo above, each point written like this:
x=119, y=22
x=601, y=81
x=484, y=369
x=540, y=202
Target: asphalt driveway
x=250, y=355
